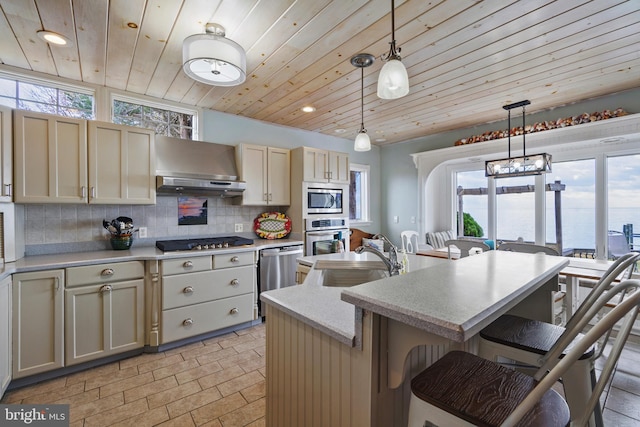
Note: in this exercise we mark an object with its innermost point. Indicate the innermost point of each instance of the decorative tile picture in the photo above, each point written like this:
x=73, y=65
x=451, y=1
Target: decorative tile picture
x=192, y=210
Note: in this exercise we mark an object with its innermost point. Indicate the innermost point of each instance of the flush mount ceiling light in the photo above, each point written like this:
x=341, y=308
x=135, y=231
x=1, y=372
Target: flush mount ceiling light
x=213, y=59
x=53, y=38
x=518, y=166
x=308, y=109
x=362, y=142
x=393, y=81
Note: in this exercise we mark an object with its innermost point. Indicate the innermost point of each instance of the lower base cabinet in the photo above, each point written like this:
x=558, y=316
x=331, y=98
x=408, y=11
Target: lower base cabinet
x=5, y=334
x=37, y=322
x=103, y=319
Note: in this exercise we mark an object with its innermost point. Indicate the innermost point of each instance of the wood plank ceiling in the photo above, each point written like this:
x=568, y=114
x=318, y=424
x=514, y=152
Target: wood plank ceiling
x=465, y=58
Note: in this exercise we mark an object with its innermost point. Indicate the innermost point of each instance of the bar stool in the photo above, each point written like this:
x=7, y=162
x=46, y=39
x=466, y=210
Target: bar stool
x=530, y=341
x=462, y=389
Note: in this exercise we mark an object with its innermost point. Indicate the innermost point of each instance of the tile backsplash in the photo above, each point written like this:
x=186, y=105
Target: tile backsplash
x=55, y=228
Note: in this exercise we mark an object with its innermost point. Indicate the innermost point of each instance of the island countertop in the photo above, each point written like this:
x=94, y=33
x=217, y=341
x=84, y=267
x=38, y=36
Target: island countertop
x=453, y=299
x=457, y=299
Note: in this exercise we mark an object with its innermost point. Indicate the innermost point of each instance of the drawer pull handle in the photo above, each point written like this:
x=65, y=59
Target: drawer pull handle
x=105, y=288
x=187, y=322
x=233, y=311
x=235, y=259
x=187, y=264
x=188, y=290
x=235, y=282
x=107, y=272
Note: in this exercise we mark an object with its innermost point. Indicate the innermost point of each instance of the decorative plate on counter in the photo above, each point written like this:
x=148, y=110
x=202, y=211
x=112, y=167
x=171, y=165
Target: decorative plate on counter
x=272, y=225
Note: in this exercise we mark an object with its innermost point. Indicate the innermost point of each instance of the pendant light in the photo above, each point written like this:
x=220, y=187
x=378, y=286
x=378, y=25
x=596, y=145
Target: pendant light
x=362, y=142
x=213, y=59
x=393, y=81
x=518, y=166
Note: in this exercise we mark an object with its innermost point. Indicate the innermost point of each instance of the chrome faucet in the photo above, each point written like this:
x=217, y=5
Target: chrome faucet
x=391, y=263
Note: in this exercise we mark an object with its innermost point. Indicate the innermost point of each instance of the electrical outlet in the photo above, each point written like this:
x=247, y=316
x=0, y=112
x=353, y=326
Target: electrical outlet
x=413, y=220
x=142, y=232
x=239, y=228
x=396, y=219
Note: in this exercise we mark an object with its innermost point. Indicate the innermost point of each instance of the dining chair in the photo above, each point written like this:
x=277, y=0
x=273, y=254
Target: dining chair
x=559, y=297
x=407, y=237
x=464, y=389
x=465, y=246
x=617, y=244
x=527, y=341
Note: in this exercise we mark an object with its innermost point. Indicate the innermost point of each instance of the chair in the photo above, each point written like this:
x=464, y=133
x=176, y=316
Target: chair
x=464, y=389
x=527, y=248
x=407, y=238
x=526, y=341
x=465, y=246
x=617, y=245
x=558, y=296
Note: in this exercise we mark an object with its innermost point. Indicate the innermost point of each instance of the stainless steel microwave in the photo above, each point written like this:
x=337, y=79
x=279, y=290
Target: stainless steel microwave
x=324, y=200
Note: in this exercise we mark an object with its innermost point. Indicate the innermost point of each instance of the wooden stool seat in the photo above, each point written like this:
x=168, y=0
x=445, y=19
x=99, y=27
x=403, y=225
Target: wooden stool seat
x=525, y=334
x=484, y=393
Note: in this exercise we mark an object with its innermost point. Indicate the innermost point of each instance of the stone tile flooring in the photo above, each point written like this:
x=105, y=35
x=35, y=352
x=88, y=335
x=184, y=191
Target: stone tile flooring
x=220, y=382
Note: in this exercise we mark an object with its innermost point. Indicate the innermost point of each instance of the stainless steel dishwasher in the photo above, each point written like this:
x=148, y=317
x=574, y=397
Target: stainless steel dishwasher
x=278, y=268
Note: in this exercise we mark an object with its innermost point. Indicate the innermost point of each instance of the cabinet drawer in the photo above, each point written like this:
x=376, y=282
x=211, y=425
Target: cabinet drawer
x=194, y=288
x=233, y=260
x=186, y=265
x=184, y=322
x=104, y=273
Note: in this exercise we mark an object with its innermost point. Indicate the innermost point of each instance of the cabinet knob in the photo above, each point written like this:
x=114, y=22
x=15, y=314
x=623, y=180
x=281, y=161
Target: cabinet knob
x=188, y=290
x=234, y=282
x=187, y=322
x=233, y=311
x=235, y=259
x=106, y=288
x=107, y=272
x=187, y=264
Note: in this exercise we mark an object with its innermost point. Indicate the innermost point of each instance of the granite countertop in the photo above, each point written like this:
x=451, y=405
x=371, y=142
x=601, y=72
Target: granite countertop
x=143, y=253
x=321, y=306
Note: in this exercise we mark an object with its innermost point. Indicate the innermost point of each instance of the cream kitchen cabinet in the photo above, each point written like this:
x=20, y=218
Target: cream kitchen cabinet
x=104, y=310
x=6, y=156
x=301, y=273
x=322, y=166
x=5, y=334
x=203, y=294
x=266, y=170
x=67, y=160
x=37, y=322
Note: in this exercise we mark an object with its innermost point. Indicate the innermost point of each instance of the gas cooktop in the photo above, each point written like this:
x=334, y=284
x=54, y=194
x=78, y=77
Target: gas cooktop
x=202, y=244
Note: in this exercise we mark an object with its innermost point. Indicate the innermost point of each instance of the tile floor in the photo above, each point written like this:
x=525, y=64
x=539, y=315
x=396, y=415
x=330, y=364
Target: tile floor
x=220, y=382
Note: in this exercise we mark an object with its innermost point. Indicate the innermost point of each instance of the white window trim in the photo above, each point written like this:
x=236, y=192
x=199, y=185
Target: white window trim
x=366, y=199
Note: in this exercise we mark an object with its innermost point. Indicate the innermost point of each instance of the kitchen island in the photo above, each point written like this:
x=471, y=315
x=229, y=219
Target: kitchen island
x=400, y=325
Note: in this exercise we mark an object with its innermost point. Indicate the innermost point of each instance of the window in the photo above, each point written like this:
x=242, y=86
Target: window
x=623, y=193
x=359, y=194
x=515, y=208
x=168, y=122
x=60, y=100
x=473, y=201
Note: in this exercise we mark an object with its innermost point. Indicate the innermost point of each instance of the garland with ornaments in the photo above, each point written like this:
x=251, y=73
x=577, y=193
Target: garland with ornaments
x=542, y=126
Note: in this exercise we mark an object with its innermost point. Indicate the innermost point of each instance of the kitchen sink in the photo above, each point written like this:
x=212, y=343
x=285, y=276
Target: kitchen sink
x=350, y=273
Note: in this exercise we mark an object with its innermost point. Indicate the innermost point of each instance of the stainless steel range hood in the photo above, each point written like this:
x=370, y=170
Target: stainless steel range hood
x=196, y=168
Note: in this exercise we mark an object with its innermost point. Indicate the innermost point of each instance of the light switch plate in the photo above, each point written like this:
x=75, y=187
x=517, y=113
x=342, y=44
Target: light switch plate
x=238, y=228
x=396, y=219
x=142, y=232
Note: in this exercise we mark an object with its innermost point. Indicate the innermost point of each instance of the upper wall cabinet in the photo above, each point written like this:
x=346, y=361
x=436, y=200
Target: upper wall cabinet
x=6, y=158
x=67, y=160
x=322, y=165
x=266, y=172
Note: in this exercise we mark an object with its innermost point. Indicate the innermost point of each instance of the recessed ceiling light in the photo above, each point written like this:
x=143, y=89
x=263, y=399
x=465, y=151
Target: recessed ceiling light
x=308, y=109
x=340, y=130
x=54, y=38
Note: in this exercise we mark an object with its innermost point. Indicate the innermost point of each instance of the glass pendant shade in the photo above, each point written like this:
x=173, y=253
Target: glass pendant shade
x=362, y=142
x=393, y=81
x=214, y=60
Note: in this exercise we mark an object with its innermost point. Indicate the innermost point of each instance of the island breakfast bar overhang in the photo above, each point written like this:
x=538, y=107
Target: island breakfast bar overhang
x=451, y=302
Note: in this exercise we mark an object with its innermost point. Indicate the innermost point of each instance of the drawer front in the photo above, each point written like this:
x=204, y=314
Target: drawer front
x=186, y=265
x=104, y=273
x=194, y=288
x=233, y=260
x=185, y=322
